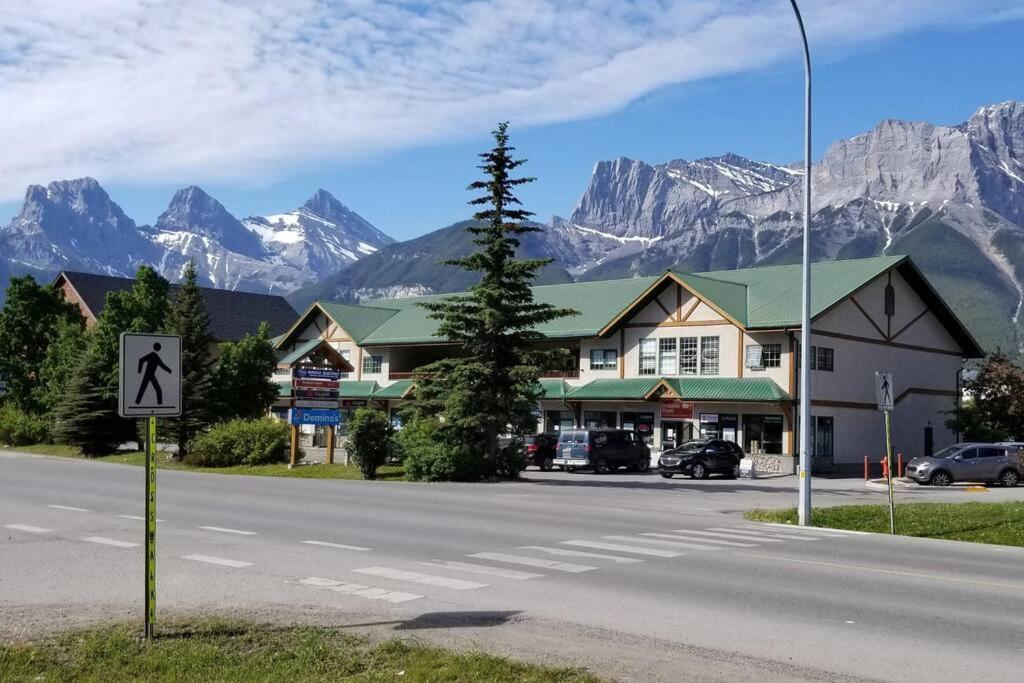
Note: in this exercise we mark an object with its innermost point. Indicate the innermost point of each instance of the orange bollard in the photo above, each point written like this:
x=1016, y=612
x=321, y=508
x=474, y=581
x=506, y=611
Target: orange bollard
x=899, y=464
x=885, y=469
x=867, y=468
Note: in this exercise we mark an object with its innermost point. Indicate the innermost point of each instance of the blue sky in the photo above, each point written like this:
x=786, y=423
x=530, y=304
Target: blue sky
x=414, y=181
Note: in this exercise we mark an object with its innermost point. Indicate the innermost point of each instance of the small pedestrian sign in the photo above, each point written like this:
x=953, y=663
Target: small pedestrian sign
x=150, y=375
x=884, y=390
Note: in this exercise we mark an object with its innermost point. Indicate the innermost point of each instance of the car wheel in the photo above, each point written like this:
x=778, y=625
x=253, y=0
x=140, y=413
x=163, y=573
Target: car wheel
x=699, y=471
x=940, y=478
x=1009, y=478
x=570, y=469
x=547, y=464
x=643, y=465
x=667, y=475
x=601, y=467
x=734, y=473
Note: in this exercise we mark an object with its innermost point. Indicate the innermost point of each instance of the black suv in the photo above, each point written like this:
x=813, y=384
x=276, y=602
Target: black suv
x=539, y=451
x=603, y=450
x=702, y=458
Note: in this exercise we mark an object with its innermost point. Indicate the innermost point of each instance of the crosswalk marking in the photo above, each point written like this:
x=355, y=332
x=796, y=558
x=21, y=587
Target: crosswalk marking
x=110, y=541
x=534, y=562
x=28, y=528
x=67, y=507
x=340, y=546
x=759, y=534
x=483, y=569
x=730, y=535
x=810, y=531
x=416, y=577
x=360, y=590
x=565, y=552
x=623, y=548
x=828, y=529
x=702, y=540
x=669, y=544
x=228, y=531
x=237, y=564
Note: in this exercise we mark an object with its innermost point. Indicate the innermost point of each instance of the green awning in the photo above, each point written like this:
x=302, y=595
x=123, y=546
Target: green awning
x=357, y=389
x=396, y=390
x=629, y=389
x=732, y=389
x=301, y=352
x=553, y=389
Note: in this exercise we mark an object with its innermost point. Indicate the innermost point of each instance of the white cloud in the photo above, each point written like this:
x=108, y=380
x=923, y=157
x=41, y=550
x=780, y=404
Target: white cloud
x=247, y=90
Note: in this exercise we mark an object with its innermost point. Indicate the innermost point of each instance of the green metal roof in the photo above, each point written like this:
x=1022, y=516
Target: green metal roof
x=553, y=389
x=357, y=389
x=630, y=388
x=358, y=321
x=727, y=389
x=301, y=351
x=394, y=391
x=731, y=297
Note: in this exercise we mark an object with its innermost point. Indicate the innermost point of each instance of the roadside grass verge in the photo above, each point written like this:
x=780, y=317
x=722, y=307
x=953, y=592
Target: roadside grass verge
x=220, y=650
x=995, y=523
x=165, y=462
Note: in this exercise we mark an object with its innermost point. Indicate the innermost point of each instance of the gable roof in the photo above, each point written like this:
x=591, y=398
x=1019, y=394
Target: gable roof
x=233, y=314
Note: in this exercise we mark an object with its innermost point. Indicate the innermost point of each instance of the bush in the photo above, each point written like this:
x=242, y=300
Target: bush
x=429, y=456
x=240, y=442
x=370, y=440
x=20, y=428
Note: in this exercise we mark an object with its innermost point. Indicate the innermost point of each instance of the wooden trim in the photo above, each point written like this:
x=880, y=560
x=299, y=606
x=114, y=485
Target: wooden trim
x=359, y=364
x=309, y=309
x=676, y=323
x=679, y=302
x=903, y=329
x=870, y=320
x=881, y=342
x=622, y=353
x=788, y=427
x=693, y=307
x=888, y=318
x=83, y=307
x=668, y=390
x=657, y=300
x=740, y=352
x=792, y=365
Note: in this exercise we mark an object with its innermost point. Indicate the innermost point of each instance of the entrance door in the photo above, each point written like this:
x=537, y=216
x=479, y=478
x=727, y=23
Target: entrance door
x=675, y=433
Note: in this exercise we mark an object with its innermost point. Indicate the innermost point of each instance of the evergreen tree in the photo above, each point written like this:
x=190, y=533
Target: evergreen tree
x=31, y=319
x=244, y=386
x=493, y=388
x=189, y=320
x=62, y=356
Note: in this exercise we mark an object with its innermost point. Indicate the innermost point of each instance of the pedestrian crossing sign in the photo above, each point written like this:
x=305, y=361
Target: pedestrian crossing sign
x=150, y=375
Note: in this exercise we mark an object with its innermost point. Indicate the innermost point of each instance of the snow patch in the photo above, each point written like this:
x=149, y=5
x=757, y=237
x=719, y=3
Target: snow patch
x=645, y=241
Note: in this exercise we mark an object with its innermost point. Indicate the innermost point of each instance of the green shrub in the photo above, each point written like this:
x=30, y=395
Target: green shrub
x=20, y=428
x=370, y=440
x=240, y=442
x=429, y=456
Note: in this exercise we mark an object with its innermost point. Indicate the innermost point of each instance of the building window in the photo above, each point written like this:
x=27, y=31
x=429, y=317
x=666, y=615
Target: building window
x=821, y=437
x=709, y=354
x=372, y=364
x=604, y=359
x=764, y=356
x=688, y=356
x=822, y=358
x=346, y=354
x=667, y=356
x=648, y=356
x=593, y=419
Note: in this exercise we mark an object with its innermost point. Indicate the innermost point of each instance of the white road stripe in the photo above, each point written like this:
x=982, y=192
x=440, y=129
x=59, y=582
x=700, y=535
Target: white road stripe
x=564, y=552
x=534, y=562
x=416, y=577
x=733, y=536
x=228, y=531
x=217, y=560
x=67, y=507
x=623, y=548
x=110, y=541
x=759, y=534
x=825, y=531
x=28, y=528
x=483, y=569
x=340, y=546
x=702, y=540
x=359, y=589
x=668, y=544
x=138, y=518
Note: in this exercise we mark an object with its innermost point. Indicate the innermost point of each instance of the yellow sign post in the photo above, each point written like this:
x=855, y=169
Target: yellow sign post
x=884, y=393
x=150, y=528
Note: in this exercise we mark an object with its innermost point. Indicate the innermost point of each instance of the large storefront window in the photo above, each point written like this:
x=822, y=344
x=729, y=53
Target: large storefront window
x=642, y=424
x=718, y=426
x=762, y=434
x=593, y=419
x=557, y=420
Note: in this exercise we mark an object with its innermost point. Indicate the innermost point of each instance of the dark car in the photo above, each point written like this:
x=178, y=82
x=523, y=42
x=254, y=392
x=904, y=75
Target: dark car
x=603, y=450
x=539, y=451
x=702, y=458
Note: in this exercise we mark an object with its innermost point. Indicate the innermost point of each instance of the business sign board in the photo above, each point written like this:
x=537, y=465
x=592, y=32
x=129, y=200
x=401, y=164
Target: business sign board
x=321, y=384
x=150, y=375
x=315, y=403
x=314, y=393
x=353, y=403
x=311, y=372
x=314, y=416
x=674, y=409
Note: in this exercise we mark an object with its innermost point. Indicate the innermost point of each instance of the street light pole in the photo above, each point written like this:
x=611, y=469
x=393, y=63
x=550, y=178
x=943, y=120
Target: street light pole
x=804, y=508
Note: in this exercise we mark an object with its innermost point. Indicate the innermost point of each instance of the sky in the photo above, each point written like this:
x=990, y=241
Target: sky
x=385, y=104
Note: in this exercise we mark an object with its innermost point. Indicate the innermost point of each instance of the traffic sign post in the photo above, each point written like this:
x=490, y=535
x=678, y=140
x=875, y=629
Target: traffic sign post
x=884, y=398
x=149, y=385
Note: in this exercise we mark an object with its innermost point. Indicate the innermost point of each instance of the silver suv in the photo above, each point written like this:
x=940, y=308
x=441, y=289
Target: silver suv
x=982, y=462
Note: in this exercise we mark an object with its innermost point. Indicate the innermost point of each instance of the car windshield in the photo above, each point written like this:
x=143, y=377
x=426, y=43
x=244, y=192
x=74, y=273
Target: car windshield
x=949, y=451
x=690, y=446
x=572, y=437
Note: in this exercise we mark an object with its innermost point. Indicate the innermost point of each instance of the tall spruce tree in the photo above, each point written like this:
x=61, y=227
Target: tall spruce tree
x=493, y=388
x=244, y=387
x=189, y=320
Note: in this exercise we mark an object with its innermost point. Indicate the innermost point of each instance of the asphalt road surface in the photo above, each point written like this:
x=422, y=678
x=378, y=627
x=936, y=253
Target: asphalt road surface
x=635, y=577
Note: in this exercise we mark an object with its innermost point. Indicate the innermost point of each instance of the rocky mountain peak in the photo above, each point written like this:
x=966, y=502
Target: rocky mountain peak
x=194, y=211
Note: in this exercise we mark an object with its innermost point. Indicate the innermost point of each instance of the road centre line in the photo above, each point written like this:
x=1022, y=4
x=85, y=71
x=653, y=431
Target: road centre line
x=68, y=507
x=28, y=528
x=340, y=546
x=111, y=542
x=228, y=531
x=416, y=577
x=534, y=562
x=702, y=540
x=759, y=539
x=565, y=552
x=623, y=548
x=769, y=534
x=483, y=569
x=217, y=560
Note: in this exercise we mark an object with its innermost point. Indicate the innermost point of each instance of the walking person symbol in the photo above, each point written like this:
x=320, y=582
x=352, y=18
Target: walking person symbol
x=152, y=363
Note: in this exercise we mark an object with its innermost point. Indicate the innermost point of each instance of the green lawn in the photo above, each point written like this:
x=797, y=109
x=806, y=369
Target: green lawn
x=165, y=462
x=996, y=523
x=239, y=651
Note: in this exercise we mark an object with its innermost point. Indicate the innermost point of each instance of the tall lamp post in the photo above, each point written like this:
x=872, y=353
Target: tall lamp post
x=804, y=508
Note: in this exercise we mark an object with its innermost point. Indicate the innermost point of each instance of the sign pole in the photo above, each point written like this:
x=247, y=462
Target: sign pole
x=150, y=527
x=888, y=468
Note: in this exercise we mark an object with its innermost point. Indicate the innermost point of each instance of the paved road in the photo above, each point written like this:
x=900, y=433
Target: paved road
x=638, y=577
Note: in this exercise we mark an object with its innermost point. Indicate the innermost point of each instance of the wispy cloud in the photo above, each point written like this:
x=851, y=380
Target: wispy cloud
x=247, y=90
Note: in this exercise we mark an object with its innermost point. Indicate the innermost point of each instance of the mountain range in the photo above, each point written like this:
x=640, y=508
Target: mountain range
x=952, y=197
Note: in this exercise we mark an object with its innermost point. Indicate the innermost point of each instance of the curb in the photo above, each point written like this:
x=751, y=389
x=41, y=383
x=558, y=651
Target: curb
x=908, y=485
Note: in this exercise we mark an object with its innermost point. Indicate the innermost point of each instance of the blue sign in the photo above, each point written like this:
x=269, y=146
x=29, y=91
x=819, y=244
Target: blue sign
x=314, y=416
x=308, y=372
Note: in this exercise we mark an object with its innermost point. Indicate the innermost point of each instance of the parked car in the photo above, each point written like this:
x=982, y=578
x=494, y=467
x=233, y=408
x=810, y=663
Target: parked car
x=603, y=450
x=540, y=451
x=702, y=458
x=1001, y=463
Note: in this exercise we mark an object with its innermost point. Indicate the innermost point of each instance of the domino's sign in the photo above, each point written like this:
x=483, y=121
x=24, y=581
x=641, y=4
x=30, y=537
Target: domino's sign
x=314, y=416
